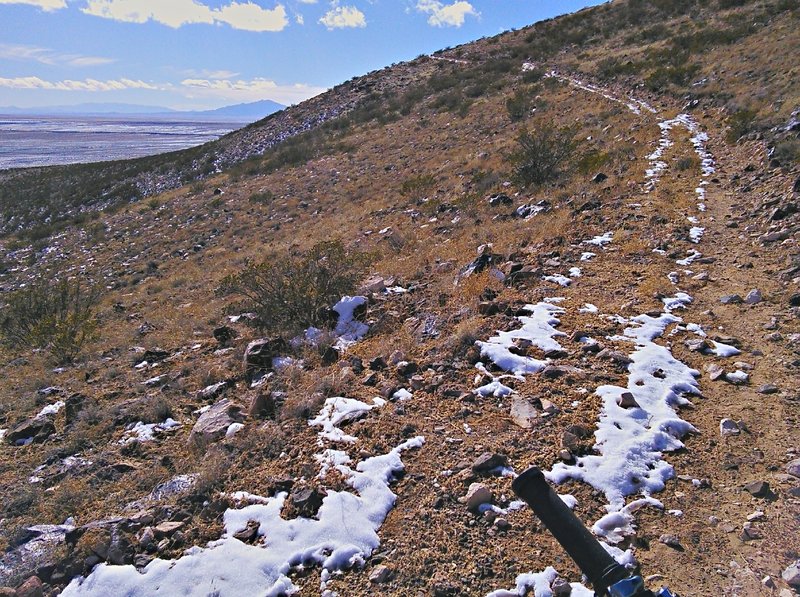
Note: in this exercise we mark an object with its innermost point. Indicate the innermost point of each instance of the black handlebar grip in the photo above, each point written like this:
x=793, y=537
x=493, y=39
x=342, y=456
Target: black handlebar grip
x=595, y=562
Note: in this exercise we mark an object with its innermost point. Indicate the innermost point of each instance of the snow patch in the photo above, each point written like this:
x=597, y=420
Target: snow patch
x=340, y=410
x=630, y=441
x=343, y=536
x=538, y=329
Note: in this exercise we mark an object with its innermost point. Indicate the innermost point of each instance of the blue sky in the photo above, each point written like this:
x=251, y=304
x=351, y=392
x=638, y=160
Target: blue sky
x=198, y=54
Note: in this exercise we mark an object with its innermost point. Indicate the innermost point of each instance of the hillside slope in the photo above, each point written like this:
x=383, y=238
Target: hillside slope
x=586, y=324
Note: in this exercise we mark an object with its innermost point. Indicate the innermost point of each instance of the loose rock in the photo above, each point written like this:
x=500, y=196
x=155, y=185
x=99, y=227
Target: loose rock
x=477, y=494
x=380, y=574
x=730, y=299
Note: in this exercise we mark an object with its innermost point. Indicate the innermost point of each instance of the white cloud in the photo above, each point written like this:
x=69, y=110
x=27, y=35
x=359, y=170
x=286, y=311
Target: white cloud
x=251, y=17
x=205, y=73
x=49, y=57
x=246, y=16
x=341, y=17
x=47, y=5
x=250, y=91
x=70, y=85
x=173, y=13
x=446, y=15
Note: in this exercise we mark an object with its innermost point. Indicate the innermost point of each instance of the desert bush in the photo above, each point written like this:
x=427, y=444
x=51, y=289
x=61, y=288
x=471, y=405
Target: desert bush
x=542, y=154
x=740, y=123
x=264, y=197
x=518, y=105
x=291, y=292
x=54, y=315
x=787, y=152
x=592, y=160
x=417, y=185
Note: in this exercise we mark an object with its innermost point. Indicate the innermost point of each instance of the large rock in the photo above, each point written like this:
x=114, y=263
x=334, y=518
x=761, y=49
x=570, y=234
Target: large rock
x=35, y=430
x=213, y=424
x=224, y=334
x=259, y=353
x=31, y=588
x=792, y=574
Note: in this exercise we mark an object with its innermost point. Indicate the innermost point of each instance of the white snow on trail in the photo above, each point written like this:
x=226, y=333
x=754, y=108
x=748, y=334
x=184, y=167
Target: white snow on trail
x=541, y=584
x=630, y=441
x=634, y=105
x=342, y=536
x=340, y=410
x=538, y=329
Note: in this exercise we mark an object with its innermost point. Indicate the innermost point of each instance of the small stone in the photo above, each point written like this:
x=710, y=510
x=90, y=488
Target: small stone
x=671, y=541
x=753, y=297
x=523, y=413
x=768, y=582
x=792, y=574
x=249, y=533
x=737, y=378
x=549, y=407
x=729, y=427
x=759, y=489
x=793, y=468
x=477, y=494
x=8, y=592
x=307, y=501
x=487, y=462
x=755, y=516
x=561, y=588
x=380, y=574
x=166, y=529
x=377, y=364
x=502, y=524
x=147, y=538
x=715, y=372
x=774, y=337
x=768, y=389
x=565, y=455
x=697, y=345
x=600, y=177
x=772, y=324
x=750, y=533
x=570, y=441
x=627, y=400
x=614, y=355
x=407, y=369
x=730, y=299
x=31, y=588
x=794, y=300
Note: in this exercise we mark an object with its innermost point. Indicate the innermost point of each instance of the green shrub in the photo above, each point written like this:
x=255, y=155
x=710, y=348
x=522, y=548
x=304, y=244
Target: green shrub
x=787, y=152
x=542, y=155
x=54, y=315
x=591, y=161
x=264, y=197
x=417, y=185
x=740, y=123
x=518, y=105
x=288, y=293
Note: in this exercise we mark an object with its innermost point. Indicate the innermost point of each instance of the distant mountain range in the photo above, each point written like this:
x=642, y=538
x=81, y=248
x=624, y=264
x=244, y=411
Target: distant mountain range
x=240, y=112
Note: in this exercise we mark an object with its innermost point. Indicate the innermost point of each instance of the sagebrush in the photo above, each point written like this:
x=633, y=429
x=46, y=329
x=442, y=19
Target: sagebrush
x=288, y=293
x=542, y=155
x=57, y=315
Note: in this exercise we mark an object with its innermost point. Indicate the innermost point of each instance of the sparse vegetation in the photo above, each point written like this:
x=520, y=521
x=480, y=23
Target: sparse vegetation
x=542, y=155
x=55, y=315
x=740, y=123
x=291, y=292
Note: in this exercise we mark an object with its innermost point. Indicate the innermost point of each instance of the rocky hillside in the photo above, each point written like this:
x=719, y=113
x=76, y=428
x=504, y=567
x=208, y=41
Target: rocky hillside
x=571, y=246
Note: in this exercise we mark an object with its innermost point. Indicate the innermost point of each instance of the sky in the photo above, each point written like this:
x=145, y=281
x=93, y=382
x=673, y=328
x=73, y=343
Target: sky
x=203, y=54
